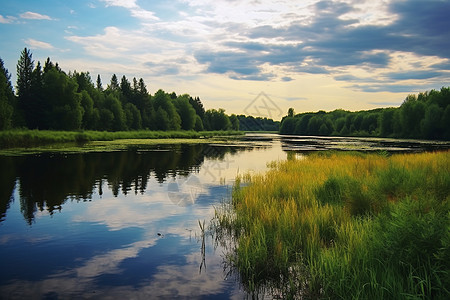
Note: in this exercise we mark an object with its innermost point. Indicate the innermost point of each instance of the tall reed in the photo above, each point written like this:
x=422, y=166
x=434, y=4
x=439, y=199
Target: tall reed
x=358, y=226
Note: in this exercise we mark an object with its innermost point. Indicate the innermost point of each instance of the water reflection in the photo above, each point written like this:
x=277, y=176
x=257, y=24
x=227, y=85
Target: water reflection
x=119, y=224
x=47, y=181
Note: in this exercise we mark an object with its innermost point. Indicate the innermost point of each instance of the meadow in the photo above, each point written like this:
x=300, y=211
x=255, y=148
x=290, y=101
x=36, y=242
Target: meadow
x=343, y=226
x=32, y=138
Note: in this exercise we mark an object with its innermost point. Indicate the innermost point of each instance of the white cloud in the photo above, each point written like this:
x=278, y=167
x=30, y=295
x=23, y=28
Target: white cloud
x=34, y=16
x=35, y=44
x=135, y=10
x=7, y=19
x=121, y=3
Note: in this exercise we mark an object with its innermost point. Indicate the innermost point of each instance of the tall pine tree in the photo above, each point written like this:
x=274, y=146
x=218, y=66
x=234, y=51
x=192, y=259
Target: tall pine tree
x=6, y=98
x=25, y=67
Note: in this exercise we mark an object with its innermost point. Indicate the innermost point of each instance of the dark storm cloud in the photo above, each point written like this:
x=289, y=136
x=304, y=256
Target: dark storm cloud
x=328, y=41
x=425, y=25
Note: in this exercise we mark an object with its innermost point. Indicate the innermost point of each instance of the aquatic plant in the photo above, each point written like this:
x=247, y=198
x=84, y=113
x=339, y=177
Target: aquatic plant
x=362, y=226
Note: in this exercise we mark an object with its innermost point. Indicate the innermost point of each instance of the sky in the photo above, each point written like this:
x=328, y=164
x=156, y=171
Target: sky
x=255, y=57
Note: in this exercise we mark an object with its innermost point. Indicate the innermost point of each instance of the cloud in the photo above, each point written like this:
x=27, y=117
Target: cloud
x=393, y=88
x=335, y=35
x=418, y=74
x=135, y=10
x=34, y=16
x=35, y=44
x=7, y=19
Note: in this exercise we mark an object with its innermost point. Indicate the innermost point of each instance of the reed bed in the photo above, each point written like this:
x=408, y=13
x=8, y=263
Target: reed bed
x=345, y=226
x=33, y=138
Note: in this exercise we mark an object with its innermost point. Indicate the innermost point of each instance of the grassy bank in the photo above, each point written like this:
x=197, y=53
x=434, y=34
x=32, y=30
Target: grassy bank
x=33, y=138
x=340, y=226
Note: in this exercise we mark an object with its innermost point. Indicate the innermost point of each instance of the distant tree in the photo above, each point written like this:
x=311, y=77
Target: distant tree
x=126, y=91
x=216, y=120
x=198, y=124
x=142, y=88
x=7, y=99
x=445, y=120
x=133, y=117
x=186, y=112
x=48, y=65
x=291, y=112
x=99, y=83
x=38, y=106
x=339, y=124
x=113, y=105
x=163, y=101
x=287, y=125
x=234, y=122
x=162, y=119
x=412, y=112
x=387, y=122
x=64, y=109
x=114, y=84
x=87, y=104
x=25, y=67
x=198, y=106
x=431, y=125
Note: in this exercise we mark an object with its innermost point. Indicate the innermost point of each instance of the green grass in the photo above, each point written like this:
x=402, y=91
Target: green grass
x=345, y=226
x=33, y=138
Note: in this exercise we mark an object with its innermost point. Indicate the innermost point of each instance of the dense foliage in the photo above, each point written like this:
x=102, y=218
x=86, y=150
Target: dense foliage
x=48, y=98
x=425, y=116
x=250, y=123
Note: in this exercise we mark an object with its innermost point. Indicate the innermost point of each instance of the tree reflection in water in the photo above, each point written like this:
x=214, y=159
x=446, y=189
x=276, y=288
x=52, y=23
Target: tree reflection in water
x=47, y=181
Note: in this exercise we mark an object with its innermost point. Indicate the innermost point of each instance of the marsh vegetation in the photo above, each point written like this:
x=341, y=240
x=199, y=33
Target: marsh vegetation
x=343, y=226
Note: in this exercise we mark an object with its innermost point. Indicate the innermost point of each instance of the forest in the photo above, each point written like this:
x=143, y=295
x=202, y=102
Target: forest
x=48, y=98
x=425, y=116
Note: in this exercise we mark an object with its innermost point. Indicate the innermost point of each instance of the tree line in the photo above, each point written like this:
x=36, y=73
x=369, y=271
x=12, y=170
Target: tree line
x=422, y=116
x=48, y=98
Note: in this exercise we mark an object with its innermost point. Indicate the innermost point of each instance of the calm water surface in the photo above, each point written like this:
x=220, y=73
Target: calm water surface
x=125, y=224
x=121, y=224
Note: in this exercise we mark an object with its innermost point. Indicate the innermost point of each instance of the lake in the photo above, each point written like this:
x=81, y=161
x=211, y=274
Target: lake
x=129, y=223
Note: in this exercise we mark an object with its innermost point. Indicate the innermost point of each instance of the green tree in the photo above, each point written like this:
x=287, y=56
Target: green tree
x=234, y=122
x=99, y=83
x=163, y=101
x=291, y=112
x=7, y=99
x=126, y=91
x=431, y=124
x=412, y=112
x=133, y=117
x=114, y=106
x=186, y=112
x=63, y=102
x=198, y=124
x=198, y=106
x=87, y=104
x=162, y=119
x=114, y=84
x=387, y=122
x=25, y=67
x=287, y=125
x=216, y=120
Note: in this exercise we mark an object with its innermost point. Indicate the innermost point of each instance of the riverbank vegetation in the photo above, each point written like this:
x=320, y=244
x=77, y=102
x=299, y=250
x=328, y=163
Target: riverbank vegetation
x=425, y=116
x=344, y=226
x=33, y=138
